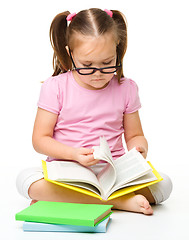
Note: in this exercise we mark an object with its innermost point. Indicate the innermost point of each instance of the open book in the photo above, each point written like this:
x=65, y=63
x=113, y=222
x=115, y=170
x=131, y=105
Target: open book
x=107, y=181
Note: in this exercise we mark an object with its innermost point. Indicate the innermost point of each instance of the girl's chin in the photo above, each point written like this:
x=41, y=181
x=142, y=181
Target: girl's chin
x=98, y=84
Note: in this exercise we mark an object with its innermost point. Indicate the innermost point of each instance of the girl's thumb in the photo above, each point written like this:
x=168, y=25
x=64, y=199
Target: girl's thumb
x=89, y=151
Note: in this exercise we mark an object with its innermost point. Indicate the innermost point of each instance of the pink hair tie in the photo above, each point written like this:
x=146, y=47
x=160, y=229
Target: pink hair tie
x=71, y=16
x=109, y=12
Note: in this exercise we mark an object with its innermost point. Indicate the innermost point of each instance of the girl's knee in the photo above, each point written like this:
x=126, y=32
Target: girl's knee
x=35, y=189
x=162, y=190
x=26, y=178
x=168, y=186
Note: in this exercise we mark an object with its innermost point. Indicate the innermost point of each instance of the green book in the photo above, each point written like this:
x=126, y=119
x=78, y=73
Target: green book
x=65, y=213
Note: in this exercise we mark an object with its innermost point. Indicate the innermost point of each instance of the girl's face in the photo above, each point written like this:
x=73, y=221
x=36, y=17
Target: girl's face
x=96, y=52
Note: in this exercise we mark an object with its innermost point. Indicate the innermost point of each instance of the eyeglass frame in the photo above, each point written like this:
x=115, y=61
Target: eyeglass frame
x=93, y=68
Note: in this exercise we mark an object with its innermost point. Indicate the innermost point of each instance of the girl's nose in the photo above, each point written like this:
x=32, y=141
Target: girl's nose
x=97, y=73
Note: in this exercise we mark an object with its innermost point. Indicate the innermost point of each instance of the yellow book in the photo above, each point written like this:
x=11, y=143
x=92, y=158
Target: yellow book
x=105, y=181
x=115, y=194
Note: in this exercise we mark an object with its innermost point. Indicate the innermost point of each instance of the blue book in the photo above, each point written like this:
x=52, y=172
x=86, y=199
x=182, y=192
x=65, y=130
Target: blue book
x=46, y=227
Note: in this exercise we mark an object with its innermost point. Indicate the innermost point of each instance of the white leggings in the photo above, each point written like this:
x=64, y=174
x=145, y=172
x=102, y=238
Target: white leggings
x=160, y=191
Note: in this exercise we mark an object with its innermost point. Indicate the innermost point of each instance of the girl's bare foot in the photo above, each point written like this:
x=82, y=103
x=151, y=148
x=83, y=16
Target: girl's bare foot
x=33, y=201
x=134, y=203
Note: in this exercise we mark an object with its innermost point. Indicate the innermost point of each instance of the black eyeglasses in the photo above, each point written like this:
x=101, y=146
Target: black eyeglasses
x=91, y=70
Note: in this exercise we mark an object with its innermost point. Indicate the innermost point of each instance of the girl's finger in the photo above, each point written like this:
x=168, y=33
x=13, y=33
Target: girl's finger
x=94, y=162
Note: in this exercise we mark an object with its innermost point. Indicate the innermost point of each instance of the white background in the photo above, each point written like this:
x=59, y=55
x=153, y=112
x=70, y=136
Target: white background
x=157, y=59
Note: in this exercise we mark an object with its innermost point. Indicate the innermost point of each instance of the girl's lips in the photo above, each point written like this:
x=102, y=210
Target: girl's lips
x=97, y=80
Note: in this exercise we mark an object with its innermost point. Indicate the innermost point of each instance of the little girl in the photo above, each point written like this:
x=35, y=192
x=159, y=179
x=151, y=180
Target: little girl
x=88, y=97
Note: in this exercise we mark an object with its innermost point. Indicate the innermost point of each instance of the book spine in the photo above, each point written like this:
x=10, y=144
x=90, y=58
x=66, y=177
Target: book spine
x=77, y=222
x=45, y=227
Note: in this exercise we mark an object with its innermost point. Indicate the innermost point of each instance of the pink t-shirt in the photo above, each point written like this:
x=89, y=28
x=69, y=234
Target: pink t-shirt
x=84, y=115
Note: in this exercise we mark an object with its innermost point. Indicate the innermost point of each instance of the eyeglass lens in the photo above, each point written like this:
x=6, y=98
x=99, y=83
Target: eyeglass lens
x=93, y=70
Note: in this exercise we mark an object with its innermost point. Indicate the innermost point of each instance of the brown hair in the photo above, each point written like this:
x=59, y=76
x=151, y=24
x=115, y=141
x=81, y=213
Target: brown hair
x=91, y=22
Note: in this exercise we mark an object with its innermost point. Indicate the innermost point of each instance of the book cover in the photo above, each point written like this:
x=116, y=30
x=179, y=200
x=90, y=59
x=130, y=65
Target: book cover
x=46, y=227
x=65, y=213
x=116, y=194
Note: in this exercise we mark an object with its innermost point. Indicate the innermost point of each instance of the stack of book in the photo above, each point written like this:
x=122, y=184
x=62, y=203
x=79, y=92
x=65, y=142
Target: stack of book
x=46, y=216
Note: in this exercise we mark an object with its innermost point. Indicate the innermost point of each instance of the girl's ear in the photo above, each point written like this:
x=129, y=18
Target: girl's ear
x=67, y=49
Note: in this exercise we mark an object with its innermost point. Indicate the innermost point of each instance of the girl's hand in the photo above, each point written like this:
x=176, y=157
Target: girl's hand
x=142, y=150
x=85, y=156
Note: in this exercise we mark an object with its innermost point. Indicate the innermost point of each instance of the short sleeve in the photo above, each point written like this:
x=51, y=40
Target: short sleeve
x=49, y=98
x=133, y=103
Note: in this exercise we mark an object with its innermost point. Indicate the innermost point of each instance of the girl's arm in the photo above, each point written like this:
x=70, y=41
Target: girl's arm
x=44, y=143
x=133, y=133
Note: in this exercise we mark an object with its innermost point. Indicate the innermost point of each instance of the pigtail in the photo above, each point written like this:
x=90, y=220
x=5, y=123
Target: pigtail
x=121, y=25
x=58, y=29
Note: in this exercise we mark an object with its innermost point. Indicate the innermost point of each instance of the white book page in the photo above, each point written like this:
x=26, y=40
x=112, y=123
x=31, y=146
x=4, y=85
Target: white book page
x=107, y=176
x=97, y=168
x=149, y=177
x=103, y=152
x=87, y=186
x=130, y=166
x=68, y=171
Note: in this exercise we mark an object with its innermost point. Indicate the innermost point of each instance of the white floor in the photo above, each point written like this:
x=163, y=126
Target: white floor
x=170, y=219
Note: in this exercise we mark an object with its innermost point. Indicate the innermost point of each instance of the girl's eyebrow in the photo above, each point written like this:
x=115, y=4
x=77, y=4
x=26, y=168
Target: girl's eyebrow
x=112, y=57
x=106, y=59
